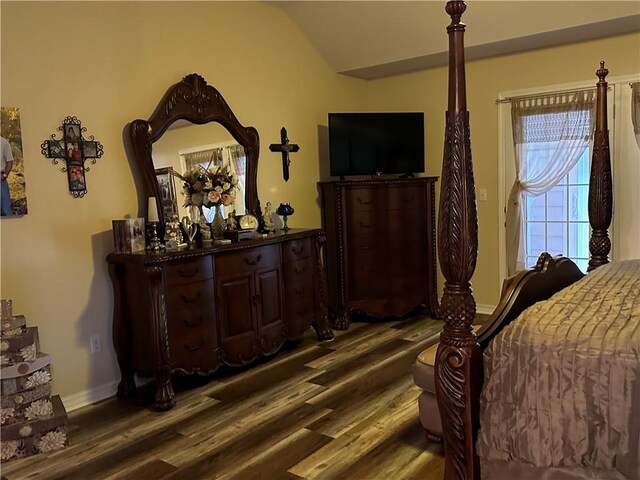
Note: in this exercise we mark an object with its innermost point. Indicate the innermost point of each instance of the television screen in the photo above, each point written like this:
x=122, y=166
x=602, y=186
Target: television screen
x=376, y=143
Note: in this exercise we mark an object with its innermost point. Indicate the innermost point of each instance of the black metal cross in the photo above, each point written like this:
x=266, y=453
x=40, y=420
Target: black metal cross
x=285, y=148
x=73, y=149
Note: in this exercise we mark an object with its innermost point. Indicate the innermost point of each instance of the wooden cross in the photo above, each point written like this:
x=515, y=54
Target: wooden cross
x=73, y=149
x=285, y=148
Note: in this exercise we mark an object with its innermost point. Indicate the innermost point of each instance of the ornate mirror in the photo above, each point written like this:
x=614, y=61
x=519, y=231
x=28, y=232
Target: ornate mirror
x=186, y=105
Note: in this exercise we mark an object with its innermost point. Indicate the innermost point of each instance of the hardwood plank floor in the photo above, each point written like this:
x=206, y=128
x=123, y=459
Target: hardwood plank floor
x=344, y=409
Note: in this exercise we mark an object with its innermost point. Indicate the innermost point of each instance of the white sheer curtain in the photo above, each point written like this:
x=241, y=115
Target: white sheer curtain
x=550, y=133
x=207, y=158
x=635, y=110
x=238, y=166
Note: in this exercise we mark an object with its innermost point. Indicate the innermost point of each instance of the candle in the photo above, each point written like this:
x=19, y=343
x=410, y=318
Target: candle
x=152, y=210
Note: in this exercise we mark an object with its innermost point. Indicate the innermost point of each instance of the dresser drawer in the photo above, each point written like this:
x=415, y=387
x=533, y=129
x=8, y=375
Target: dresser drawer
x=365, y=198
x=178, y=273
x=185, y=303
x=299, y=279
x=406, y=197
x=296, y=249
x=194, y=351
x=248, y=260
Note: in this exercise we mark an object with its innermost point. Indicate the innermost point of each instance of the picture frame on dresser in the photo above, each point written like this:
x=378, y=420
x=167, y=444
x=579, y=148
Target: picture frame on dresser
x=168, y=198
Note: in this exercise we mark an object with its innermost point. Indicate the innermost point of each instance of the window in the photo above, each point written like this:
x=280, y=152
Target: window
x=557, y=221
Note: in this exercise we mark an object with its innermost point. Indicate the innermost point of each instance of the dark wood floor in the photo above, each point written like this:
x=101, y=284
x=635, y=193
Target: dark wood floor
x=344, y=409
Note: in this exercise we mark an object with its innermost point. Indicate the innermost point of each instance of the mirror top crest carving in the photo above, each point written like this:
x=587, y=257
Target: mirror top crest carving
x=193, y=101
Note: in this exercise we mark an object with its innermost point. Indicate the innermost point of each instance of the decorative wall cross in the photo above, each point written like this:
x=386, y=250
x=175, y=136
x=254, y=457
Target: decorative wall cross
x=73, y=149
x=285, y=147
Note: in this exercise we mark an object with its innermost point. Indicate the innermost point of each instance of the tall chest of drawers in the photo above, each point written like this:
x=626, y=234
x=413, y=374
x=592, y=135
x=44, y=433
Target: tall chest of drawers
x=380, y=254
x=194, y=310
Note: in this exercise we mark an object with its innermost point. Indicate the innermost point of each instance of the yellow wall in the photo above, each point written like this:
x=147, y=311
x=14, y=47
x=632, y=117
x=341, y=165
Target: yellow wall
x=426, y=91
x=110, y=62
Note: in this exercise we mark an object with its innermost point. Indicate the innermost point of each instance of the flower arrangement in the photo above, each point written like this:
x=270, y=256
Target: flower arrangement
x=208, y=187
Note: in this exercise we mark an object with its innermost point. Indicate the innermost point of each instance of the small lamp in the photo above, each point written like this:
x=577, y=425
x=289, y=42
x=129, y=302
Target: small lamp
x=152, y=218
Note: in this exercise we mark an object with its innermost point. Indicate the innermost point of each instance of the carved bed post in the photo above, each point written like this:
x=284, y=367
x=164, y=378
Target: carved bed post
x=600, y=184
x=458, y=360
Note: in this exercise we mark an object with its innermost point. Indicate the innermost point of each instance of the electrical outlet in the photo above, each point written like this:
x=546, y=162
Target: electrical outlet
x=482, y=194
x=96, y=343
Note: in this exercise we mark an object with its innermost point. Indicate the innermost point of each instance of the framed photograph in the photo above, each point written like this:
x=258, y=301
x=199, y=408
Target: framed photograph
x=56, y=149
x=71, y=132
x=90, y=149
x=166, y=183
x=14, y=187
x=129, y=235
x=77, y=182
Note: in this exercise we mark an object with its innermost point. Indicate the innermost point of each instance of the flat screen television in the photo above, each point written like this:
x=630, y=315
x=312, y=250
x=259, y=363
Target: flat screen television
x=376, y=143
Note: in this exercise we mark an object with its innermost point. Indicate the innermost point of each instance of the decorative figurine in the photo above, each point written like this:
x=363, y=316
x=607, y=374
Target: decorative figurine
x=190, y=229
x=268, y=221
x=205, y=230
x=232, y=226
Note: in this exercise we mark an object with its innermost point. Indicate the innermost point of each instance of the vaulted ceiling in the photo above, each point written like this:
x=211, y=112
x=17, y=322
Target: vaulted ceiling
x=374, y=39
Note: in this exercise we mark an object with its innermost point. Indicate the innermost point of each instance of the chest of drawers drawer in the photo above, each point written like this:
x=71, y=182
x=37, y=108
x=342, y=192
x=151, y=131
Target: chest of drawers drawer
x=181, y=272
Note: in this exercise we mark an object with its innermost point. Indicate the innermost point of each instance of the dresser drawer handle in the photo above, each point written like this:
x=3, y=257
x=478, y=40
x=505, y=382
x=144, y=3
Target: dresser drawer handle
x=365, y=247
x=300, y=271
x=191, y=299
x=193, y=323
x=299, y=290
x=187, y=273
x=363, y=202
x=193, y=348
x=297, y=251
x=254, y=261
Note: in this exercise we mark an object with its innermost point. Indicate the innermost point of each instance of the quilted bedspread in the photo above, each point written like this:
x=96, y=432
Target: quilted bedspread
x=562, y=382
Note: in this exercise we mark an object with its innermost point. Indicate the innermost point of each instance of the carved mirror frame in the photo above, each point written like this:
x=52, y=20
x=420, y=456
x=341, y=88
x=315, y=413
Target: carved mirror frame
x=192, y=100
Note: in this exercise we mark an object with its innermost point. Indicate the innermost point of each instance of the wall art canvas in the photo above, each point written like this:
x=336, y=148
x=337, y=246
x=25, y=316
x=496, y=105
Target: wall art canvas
x=14, y=186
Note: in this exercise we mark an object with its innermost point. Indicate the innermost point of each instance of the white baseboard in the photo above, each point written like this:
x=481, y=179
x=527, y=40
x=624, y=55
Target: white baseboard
x=485, y=309
x=87, y=397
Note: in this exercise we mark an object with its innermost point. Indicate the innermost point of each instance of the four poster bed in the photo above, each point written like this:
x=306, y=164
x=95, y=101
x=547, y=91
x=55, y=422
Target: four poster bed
x=558, y=393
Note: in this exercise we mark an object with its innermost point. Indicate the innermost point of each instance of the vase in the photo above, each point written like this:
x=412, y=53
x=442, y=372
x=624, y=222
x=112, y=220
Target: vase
x=285, y=210
x=218, y=225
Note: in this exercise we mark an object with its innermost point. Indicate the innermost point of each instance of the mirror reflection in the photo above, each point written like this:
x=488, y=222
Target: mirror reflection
x=186, y=150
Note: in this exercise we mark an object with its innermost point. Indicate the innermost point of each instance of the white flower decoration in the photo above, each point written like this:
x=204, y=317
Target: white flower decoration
x=53, y=440
x=25, y=430
x=38, y=378
x=10, y=333
x=38, y=409
x=4, y=360
x=29, y=353
x=5, y=414
x=9, y=449
x=4, y=346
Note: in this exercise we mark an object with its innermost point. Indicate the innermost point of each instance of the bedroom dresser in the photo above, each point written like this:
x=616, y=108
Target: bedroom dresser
x=193, y=310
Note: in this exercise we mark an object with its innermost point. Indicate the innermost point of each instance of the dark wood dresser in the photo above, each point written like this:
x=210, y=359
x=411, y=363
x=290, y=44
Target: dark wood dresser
x=381, y=247
x=195, y=309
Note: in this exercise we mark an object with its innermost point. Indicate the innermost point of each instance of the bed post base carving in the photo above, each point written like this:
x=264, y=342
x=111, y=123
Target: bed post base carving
x=458, y=365
x=600, y=183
